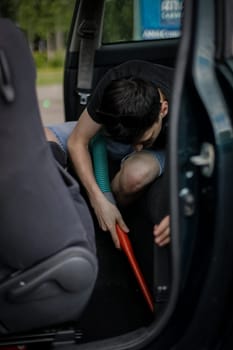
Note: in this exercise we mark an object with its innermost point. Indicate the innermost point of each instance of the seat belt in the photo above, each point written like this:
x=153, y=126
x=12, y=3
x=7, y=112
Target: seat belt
x=87, y=32
x=6, y=87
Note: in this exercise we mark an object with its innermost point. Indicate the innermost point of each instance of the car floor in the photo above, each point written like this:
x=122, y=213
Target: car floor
x=117, y=305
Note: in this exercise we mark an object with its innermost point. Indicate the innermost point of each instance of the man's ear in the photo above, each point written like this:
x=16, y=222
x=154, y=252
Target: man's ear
x=164, y=109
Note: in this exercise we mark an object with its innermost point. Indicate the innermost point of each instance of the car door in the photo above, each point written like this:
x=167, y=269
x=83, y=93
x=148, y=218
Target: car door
x=201, y=164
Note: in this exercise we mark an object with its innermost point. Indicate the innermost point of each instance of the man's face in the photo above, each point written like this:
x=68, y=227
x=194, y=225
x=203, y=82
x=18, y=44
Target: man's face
x=149, y=136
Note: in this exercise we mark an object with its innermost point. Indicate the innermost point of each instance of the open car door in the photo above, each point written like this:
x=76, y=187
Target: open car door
x=201, y=169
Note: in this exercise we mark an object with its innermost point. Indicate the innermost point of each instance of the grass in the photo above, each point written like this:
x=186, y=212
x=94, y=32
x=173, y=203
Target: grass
x=49, y=76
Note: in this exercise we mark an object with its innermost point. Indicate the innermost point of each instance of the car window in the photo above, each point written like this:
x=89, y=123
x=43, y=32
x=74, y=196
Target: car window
x=138, y=20
x=45, y=25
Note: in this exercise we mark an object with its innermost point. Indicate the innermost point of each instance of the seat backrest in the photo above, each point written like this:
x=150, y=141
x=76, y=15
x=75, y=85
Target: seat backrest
x=42, y=210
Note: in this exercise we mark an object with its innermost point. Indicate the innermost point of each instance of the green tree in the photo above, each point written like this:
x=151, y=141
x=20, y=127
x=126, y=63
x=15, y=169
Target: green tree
x=9, y=8
x=44, y=18
x=118, y=23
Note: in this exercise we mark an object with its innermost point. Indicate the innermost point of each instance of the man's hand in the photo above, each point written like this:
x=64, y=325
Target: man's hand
x=161, y=232
x=108, y=216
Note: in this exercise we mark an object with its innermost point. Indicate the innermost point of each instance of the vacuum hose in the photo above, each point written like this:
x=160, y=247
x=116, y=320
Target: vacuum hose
x=100, y=165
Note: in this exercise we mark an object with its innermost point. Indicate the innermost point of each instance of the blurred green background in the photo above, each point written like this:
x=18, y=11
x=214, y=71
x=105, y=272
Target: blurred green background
x=46, y=25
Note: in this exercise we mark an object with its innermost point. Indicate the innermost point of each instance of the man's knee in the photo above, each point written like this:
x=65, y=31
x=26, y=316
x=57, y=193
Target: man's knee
x=134, y=176
x=131, y=182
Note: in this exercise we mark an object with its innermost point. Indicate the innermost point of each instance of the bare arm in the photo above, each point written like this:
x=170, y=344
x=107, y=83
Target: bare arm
x=106, y=213
x=78, y=143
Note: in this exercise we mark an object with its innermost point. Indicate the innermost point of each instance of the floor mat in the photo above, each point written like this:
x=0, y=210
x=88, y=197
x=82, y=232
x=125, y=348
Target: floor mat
x=117, y=305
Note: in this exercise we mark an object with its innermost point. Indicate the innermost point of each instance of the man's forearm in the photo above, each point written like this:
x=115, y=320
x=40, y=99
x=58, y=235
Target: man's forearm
x=82, y=163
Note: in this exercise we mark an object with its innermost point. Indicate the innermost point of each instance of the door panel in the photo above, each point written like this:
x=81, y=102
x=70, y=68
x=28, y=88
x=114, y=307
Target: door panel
x=200, y=199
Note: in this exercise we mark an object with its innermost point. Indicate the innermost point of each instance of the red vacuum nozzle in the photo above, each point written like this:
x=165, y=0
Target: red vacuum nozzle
x=128, y=250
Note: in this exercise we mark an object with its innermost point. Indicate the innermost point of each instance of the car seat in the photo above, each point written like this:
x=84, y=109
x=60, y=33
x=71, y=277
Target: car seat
x=48, y=264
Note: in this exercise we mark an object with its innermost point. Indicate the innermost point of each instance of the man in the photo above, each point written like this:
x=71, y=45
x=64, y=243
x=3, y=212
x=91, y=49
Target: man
x=129, y=106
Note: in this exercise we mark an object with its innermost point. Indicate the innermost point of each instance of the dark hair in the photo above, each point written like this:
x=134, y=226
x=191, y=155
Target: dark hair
x=129, y=107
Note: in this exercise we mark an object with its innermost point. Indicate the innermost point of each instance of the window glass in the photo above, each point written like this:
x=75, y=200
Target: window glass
x=136, y=20
x=45, y=24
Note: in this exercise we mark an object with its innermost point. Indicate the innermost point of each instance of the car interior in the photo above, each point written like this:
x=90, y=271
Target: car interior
x=115, y=295
x=89, y=303
x=88, y=28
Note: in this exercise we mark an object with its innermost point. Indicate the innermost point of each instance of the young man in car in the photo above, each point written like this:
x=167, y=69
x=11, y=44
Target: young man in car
x=130, y=107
